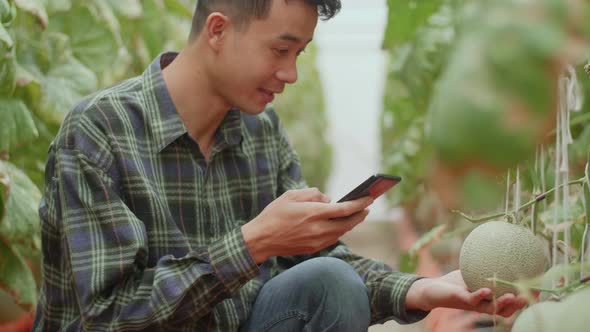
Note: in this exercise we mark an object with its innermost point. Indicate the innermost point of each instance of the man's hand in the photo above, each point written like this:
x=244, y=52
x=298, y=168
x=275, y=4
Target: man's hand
x=301, y=222
x=450, y=291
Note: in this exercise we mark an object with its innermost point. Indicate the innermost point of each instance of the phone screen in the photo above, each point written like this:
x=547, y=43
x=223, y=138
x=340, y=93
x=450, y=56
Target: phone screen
x=375, y=186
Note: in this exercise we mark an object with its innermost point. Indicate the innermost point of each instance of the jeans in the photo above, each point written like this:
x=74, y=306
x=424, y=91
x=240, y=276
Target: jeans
x=320, y=294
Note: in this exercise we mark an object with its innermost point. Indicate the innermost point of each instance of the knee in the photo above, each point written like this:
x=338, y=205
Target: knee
x=336, y=278
x=328, y=290
x=330, y=272
x=336, y=286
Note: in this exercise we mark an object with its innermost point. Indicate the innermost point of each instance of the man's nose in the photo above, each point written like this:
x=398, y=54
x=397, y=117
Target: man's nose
x=288, y=74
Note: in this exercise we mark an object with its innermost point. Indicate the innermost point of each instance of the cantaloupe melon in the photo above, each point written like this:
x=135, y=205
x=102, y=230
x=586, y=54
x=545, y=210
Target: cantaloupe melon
x=556, y=276
x=507, y=251
x=574, y=315
x=540, y=317
x=570, y=315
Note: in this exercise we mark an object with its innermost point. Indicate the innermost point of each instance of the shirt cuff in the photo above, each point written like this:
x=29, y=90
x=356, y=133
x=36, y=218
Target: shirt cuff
x=232, y=260
x=398, y=284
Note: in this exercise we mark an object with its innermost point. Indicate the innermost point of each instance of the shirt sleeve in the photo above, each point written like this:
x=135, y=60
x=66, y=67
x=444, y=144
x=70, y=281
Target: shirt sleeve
x=387, y=288
x=105, y=248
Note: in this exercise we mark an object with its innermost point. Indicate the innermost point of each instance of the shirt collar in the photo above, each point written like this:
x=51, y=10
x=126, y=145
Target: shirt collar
x=229, y=132
x=163, y=119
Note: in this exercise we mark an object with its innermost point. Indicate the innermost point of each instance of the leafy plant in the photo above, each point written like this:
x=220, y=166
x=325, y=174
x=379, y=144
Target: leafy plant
x=475, y=115
x=417, y=53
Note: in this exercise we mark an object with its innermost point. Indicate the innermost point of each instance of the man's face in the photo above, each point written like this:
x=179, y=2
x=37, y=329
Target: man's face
x=256, y=63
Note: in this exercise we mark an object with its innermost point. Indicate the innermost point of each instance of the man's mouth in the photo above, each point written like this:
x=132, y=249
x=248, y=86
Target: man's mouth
x=268, y=95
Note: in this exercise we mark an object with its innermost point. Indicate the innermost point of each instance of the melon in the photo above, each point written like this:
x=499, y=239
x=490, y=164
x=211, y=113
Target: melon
x=574, y=315
x=556, y=276
x=571, y=315
x=539, y=317
x=507, y=251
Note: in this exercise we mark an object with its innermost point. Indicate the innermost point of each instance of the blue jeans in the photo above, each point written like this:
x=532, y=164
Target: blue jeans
x=320, y=294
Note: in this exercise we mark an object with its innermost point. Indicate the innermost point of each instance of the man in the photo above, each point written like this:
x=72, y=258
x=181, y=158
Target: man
x=174, y=200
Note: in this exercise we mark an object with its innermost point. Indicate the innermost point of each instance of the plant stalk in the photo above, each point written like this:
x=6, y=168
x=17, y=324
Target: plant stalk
x=535, y=200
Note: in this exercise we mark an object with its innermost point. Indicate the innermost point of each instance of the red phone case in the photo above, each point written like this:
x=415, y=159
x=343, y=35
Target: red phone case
x=374, y=186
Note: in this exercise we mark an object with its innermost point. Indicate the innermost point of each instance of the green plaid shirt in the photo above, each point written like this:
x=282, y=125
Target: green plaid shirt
x=141, y=233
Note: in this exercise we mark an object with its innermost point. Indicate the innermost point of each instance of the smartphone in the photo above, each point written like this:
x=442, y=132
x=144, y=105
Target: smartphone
x=374, y=186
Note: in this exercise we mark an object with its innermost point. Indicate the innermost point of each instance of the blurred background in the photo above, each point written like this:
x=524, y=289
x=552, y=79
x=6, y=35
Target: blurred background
x=477, y=105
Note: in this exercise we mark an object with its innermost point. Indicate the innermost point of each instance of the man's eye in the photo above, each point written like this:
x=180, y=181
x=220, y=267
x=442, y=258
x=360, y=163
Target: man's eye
x=282, y=51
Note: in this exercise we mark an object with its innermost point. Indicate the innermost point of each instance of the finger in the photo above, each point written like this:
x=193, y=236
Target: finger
x=344, y=209
x=478, y=296
x=504, y=302
x=340, y=226
x=351, y=220
x=491, y=307
x=308, y=195
x=518, y=303
x=509, y=310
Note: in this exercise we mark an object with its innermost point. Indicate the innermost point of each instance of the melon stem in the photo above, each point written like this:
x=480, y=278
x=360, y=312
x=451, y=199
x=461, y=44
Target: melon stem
x=557, y=291
x=535, y=200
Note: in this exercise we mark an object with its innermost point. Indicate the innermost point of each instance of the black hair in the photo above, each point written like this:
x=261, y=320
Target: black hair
x=243, y=11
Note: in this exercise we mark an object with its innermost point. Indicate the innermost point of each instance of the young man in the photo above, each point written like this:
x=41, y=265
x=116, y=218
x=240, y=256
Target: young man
x=174, y=200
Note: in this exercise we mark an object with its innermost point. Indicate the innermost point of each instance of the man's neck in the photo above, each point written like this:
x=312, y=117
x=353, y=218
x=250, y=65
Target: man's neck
x=200, y=109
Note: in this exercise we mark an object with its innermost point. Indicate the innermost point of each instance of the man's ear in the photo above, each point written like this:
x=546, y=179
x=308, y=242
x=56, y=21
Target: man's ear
x=216, y=28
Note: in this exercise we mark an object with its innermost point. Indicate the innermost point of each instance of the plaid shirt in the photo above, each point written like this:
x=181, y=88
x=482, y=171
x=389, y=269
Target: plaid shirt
x=141, y=233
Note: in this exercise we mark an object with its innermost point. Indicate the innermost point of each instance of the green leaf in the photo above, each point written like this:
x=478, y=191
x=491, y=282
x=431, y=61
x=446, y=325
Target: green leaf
x=498, y=90
x=32, y=157
x=586, y=188
x=5, y=37
x=427, y=56
x=7, y=12
x=151, y=34
x=7, y=71
x=4, y=183
x=405, y=17
x=34, y=52
x=471, y=118
x=178, y=8
x=413, y=70
x=16, y=278
x=4, y=10
x=24, y=77
x=35, y=8
x=21, y=220
x=103, y=12
x=7, y=50
x=55, y=6
x=408, y=263
x=130, y=9
x=17, y=124
x=428, y=239
x=406, y=155
x=91, y=42
x=28, y=89
x=64, y=86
